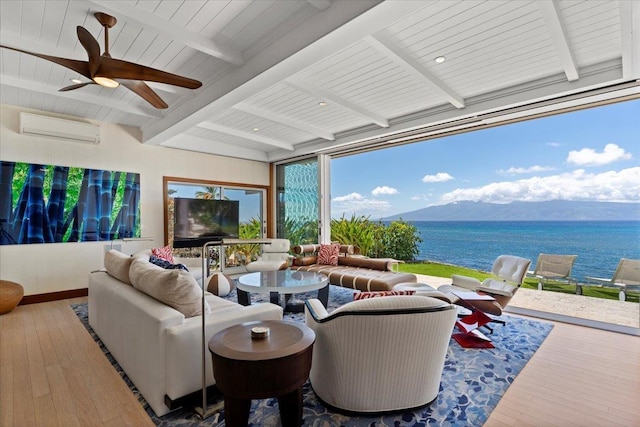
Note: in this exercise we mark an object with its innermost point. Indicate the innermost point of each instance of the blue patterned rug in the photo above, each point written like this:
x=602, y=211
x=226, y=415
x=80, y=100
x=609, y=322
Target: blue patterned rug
x=472, y=384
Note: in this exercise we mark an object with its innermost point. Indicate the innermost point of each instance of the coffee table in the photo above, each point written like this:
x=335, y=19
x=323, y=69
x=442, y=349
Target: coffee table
x=247, y=368
x=283, y=282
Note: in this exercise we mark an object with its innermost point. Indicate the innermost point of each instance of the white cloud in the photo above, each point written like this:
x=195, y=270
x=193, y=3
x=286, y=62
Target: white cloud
x=612, y=186
x=590, y=157
x=439, y=177
x=519, y=171
x=348, y=197
x=378, y=191
x=553, y=144
x=356, y=204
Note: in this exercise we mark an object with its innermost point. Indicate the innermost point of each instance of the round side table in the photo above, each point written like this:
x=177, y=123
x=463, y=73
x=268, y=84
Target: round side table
x=248, y=368
x=10, y=295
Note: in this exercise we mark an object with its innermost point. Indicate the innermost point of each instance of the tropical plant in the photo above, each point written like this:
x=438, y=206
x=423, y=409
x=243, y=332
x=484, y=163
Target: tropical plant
x=248, y=252
x=399, y=240
x=299, y=231
x=357, y=231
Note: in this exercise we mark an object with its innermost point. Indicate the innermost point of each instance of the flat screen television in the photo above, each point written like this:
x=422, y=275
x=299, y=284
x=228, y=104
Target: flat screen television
x=198, y=221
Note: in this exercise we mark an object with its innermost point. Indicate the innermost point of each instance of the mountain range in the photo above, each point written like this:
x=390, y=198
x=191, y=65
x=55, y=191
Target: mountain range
x=555, y=210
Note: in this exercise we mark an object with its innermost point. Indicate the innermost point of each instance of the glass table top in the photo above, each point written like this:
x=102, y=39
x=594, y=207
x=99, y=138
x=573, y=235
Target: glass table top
x=282, y=281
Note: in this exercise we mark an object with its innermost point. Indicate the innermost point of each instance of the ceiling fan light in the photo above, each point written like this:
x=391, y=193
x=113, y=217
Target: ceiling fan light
x=106, y=82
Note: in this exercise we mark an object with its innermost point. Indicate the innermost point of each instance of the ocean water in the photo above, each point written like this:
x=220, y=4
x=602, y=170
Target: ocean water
x=476, y=244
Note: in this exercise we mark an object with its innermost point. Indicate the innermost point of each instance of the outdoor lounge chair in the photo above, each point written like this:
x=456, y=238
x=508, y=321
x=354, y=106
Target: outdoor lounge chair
x=554, y=267
x=626, y=276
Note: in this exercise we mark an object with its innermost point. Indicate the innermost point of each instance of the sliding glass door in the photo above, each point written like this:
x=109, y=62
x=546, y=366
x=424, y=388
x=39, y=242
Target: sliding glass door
x=298, y=201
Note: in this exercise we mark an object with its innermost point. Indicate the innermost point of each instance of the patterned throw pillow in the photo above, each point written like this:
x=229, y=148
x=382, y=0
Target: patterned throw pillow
x=166, y=264
x=328, y=254
x=364, y=295
x=165, y=253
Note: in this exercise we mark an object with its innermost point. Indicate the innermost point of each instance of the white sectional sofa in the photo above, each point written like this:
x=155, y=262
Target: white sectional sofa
x=157, y=346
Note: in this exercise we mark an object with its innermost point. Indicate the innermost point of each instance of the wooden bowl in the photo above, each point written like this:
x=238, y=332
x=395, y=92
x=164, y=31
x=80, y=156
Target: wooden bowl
x=10, y=295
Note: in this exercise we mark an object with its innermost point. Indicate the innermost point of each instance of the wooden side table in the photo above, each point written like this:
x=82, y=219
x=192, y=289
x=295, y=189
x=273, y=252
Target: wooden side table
x=248, y=368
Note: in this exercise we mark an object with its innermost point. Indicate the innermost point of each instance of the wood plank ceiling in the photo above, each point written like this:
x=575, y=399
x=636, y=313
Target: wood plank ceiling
x=284, y=78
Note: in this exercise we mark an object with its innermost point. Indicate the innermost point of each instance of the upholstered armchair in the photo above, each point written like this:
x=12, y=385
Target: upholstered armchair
x=380, y=354
x=275, y=256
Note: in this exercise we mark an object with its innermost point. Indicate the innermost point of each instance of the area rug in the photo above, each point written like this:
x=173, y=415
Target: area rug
x=473, y=381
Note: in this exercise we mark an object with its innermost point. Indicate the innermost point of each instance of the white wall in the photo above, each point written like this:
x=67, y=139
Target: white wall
x=52, y=267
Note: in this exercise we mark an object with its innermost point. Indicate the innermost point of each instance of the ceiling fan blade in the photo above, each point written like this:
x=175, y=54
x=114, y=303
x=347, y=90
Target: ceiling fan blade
x=144, y=91
x=92, y=47
x=76, y=86
x=118, y=69
x=80, y=67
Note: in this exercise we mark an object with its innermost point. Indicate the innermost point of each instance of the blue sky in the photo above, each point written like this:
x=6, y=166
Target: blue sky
x=592, y=155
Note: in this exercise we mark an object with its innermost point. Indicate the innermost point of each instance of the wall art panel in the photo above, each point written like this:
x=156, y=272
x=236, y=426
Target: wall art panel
x=57, y=204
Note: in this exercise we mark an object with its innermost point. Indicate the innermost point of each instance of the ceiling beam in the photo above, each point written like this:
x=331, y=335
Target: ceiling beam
x=409, y=64
x=320, y=4
x=547, y=89
x=173, y=31
x=551, y=16
x=77, y=95
x=246, y=135
x=286, y=121
x=630, y=32
x=319, y=37
x=202, y=145
x=325, y=95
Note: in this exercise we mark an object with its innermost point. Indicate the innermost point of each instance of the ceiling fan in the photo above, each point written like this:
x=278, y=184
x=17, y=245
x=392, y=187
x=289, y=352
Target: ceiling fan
x=108, y=72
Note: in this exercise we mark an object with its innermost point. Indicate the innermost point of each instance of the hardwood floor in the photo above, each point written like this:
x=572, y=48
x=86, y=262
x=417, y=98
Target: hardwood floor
x=52, y=373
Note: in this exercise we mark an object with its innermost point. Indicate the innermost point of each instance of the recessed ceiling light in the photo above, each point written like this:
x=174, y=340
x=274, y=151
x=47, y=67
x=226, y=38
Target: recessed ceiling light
x=256, y=129
x=76, y=81
x=322, y=103
x=439, y=59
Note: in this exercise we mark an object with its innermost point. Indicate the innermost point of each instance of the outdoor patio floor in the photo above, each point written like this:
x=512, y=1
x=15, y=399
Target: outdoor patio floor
x=622, y=313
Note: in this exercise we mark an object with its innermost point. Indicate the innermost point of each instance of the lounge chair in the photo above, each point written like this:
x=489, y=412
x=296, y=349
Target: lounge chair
x=556, y=268
x=626, y=276
x=508, y=271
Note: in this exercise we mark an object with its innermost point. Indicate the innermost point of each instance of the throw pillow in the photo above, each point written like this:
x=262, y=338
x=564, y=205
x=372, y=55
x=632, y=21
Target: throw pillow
x=164, y=252
x=364, y=295
x=166, y=264
x=175, y=288
x=328, y=254
x=117, y=265
x=220, y=284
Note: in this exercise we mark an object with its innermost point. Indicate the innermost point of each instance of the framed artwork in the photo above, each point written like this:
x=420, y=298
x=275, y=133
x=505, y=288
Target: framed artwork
x=58, y=204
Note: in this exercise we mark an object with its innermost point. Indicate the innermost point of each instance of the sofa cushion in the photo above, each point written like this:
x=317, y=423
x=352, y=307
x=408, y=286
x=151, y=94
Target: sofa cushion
x=372, y=263
x=164, y=252
x=117, y=265
x=328, y=254
x=175, y=288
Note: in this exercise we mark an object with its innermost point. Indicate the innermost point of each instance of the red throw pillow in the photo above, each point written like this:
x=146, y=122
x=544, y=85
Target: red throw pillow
x=328, y=254
x=364, y=295
x=165, y=253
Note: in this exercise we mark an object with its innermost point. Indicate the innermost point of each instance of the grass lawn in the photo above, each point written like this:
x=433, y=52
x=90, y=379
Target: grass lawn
x=430, y=268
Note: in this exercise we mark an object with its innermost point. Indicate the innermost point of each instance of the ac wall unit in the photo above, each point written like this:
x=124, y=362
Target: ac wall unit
x=53, y=127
